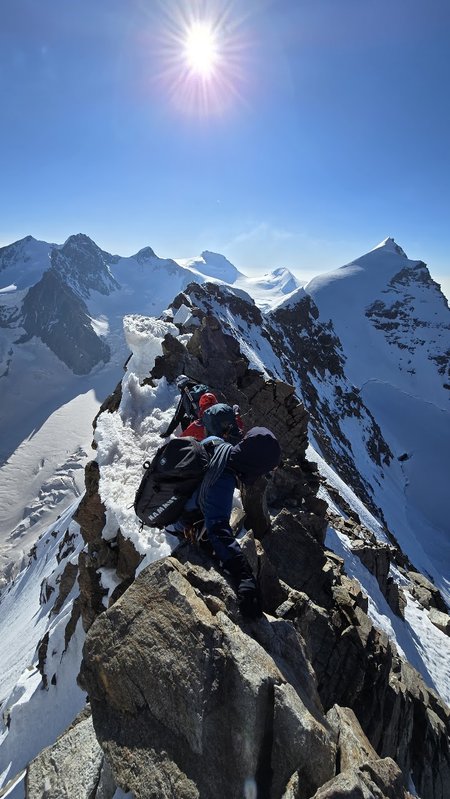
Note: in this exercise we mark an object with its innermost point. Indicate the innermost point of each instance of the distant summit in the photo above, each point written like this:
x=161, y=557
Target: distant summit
x=144, y=255
x=390, y=245
x=211, y=264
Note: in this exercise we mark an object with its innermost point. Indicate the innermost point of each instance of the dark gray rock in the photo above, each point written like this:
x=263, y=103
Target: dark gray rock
x=187, y=703
x=380, y=779
x=74, y=766
x=53, y=312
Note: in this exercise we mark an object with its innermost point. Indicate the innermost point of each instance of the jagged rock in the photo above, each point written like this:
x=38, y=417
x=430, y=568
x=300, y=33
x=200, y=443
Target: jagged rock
x=90, y=513
x=42, y=657
x=297, y=557
x=186, y=703
x=425, y=592
x=353, y=747
x=66, y=546
x=300, y=745
x=395, y=597
x=91, y=590
x=74, y=766
x=357, y=667
x=110, y=404
x=66, y=583
x=380, y=779
x=257, y=517
x=73, y=621
x=128, y=558
x=45, y=592
x=376, y=558
x=440, y=620
x=55, y=313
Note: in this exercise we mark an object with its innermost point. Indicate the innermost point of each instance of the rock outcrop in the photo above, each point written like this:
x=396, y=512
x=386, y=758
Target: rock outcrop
x=190, y=703
x=188, y=698
x=75, y=766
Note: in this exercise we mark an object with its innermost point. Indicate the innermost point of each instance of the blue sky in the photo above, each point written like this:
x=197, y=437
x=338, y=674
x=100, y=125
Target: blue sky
x=324, y=128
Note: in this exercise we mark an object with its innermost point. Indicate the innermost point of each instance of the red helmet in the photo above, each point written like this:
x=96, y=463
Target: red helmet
x=206, y=400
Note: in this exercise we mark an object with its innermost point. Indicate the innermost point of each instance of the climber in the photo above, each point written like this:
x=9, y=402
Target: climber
x=216, y=419
x=197, y=429
x=187, y=409
x=256, y=454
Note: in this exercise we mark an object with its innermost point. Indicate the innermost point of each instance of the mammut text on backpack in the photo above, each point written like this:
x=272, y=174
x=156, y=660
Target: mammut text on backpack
x=170, y=478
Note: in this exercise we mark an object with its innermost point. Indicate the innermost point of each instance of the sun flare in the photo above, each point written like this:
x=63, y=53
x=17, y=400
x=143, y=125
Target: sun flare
x=203, y=60
x=200, y=50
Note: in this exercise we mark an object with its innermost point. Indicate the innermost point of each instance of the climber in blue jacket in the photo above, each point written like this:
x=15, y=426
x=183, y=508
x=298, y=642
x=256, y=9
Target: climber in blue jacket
x=258, y=453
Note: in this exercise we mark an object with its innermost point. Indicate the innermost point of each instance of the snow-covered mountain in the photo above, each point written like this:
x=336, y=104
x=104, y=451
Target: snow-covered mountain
x=62, y=351
x=361, y=602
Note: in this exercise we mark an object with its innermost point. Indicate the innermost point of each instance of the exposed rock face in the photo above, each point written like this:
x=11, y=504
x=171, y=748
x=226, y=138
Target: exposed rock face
x=440, y=620
x=119, y=554
x=175, y=678
x=74, y=766
x=376, y=557
x=402, y=322
x=53, y=312
x=183, y=692
x=425, y=592
x=381, y=779
x=84, y=266
x=309, y=353
x=360, y=669
x=189, y=704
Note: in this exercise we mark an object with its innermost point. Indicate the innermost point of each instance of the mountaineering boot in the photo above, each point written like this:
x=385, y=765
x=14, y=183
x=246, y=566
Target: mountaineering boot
x=248, y=597
x=250, y=606
x=235, y=562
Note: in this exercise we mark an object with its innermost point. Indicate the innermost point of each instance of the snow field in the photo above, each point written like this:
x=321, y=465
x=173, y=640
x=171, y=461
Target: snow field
x=23, y=622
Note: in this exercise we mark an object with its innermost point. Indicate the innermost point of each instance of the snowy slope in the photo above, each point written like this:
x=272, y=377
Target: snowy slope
x=211, y=265
x=125, y=439
x=416, y=638
x=44, y=445
x=394, y=326
x=271, y=289
x=414, y=506
x=23, y=263
x=46, y=411
x=31, y=717
x=392, y=320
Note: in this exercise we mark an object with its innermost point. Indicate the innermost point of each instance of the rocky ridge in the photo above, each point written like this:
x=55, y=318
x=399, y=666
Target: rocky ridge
x=311, y=701
x=307, y=354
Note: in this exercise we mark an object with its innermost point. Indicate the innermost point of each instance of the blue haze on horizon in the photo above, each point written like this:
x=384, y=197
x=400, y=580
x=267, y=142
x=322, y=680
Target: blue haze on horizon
x=324, y=129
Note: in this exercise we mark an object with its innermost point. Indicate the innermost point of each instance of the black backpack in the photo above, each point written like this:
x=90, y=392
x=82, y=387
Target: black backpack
x=170, y=478
x=190, y=399
x=220, y=420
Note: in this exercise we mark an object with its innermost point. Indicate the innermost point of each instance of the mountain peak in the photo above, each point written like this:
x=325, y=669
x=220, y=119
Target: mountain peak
x=390, y=245
x=145, y=254
x=79, y=238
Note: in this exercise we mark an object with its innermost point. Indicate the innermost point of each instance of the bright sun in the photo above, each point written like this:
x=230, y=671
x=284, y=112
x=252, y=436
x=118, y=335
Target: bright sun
x=200, y=50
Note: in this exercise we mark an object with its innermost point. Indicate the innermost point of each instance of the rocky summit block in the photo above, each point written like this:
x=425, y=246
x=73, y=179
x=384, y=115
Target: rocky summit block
x=190, y=701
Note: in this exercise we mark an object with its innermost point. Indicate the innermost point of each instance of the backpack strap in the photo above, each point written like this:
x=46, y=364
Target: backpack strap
x=176, y=419
x=217, y=466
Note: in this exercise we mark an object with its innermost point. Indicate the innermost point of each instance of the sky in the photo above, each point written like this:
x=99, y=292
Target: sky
x=316, y=129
